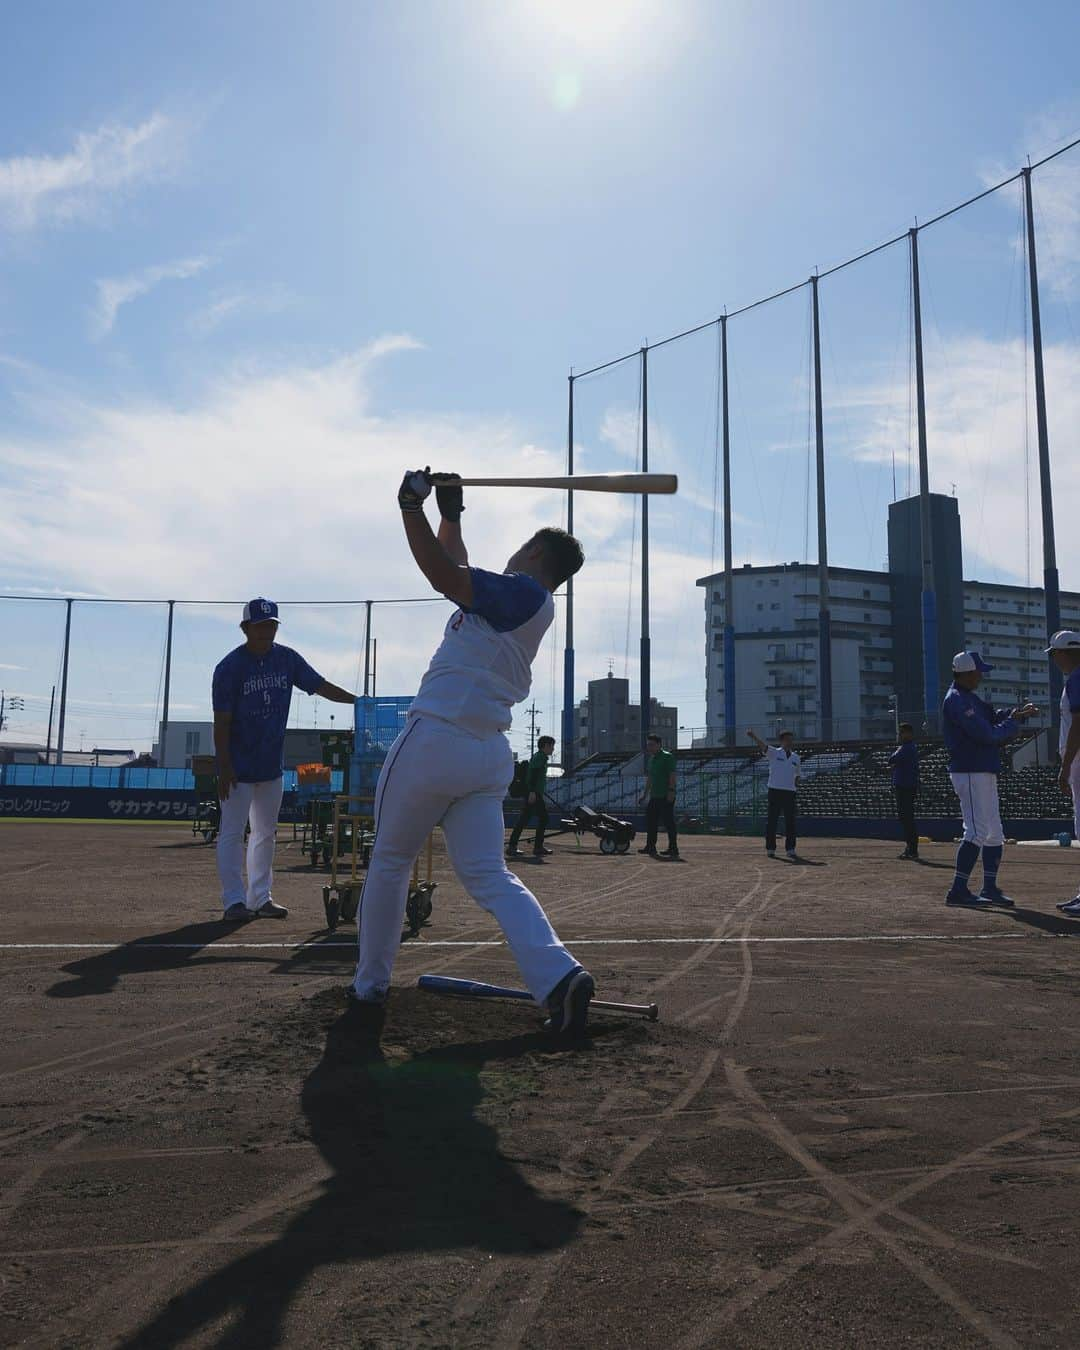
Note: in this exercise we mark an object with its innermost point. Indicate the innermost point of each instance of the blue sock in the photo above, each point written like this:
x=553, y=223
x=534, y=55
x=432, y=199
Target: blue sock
x=967, y=855
x=991, y=862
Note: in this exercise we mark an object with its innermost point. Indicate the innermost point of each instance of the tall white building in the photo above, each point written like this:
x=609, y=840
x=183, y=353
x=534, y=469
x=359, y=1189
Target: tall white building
x=777, y=658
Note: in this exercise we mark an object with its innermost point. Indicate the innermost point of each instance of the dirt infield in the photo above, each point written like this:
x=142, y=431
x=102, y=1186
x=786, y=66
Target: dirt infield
x=857, y=1122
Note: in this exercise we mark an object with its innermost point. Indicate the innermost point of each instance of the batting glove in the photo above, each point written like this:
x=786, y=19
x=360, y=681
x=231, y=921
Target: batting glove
x=415, y=487
x=449, y=496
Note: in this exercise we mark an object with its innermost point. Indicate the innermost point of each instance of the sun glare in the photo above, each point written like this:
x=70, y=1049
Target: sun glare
x=591, y=23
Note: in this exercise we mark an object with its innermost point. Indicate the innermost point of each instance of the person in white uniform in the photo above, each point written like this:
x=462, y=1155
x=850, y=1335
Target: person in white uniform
x=1064, y=651
x=784, y=766
x=452, y=764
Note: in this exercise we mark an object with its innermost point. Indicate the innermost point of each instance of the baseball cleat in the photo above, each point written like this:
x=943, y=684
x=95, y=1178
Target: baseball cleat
x=650, y=851
x=791, y=853
x=374, y=1000
x=770, y=853
x=270, y=910
x=908, y=856
x=994, y=895
x=1070, y=906
x=960, y=895
x=514, y=853
x=237, y=913
x=546, y=852
x=568, y=1003
x=668, y=853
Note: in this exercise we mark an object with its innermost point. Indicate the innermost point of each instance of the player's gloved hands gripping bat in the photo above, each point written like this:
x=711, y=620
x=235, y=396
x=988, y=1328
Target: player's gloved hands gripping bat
x=449, y=495
x=415, y=488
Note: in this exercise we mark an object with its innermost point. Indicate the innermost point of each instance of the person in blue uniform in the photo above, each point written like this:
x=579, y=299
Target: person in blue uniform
x=252, y=690
x=974, y=734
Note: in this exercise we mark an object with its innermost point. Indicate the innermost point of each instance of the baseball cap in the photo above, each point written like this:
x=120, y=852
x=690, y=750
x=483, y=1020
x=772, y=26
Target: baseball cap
x=259, y=609
x=1065, y=640
x=965, y=662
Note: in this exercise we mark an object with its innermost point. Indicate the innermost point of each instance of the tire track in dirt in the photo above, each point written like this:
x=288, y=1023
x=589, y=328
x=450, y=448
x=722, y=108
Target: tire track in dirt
x=539, y=1281
x=863, y=1211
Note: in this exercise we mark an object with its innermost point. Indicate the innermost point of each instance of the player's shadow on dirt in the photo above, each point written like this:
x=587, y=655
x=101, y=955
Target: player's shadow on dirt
x=1057, y=925
x=414, y=1170
x=180, y=947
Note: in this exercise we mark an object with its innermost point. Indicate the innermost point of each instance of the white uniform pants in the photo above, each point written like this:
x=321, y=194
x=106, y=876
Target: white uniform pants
x=436, y=773
x=259, y=802
x=978, y=793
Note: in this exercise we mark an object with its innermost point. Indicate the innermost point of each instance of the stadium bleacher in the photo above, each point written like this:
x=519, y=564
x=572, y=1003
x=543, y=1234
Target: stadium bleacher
x=840, y=779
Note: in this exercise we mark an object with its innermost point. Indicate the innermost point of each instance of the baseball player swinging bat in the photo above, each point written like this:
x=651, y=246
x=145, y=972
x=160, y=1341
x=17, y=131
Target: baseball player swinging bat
x=648, y=483
x=446, y=984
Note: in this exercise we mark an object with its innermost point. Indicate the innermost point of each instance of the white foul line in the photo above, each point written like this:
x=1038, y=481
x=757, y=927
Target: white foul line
x=422, y=946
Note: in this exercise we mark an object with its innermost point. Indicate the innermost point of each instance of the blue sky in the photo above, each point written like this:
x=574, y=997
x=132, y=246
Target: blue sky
x=256, y=259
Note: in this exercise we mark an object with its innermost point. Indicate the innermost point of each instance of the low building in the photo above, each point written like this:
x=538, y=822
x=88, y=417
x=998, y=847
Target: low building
x=606, y=720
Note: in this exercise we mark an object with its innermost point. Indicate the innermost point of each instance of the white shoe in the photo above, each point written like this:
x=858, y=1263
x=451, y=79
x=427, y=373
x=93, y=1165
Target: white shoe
x=1071, y=906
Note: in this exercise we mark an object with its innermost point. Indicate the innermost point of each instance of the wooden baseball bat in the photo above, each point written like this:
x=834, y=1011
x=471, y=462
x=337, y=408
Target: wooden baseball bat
x=589, y=482
x=447, y=984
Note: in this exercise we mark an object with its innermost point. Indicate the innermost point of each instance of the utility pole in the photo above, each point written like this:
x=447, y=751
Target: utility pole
x=14, y=704
x=532, y=729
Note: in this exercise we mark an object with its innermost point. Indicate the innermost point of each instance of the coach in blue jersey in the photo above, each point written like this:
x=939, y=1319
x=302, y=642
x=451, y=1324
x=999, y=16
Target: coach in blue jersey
x=453, y=764
x=1064, y=651
x=252, y=690
x=974, y=733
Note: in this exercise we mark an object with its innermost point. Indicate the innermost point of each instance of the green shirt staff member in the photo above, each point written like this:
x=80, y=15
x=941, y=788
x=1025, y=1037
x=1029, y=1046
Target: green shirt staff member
x=536, y=781
x=660, y=805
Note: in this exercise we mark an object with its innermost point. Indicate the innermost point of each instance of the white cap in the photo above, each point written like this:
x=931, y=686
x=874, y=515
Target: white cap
x=965, y=662
x=1065, y=640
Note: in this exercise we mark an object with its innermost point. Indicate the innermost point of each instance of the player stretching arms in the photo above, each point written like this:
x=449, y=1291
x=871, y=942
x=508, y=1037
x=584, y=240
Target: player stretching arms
x=974, y=733
x=452, y=764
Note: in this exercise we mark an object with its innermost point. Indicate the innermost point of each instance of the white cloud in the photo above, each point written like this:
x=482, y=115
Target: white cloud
x=114, y=292
x=4, y=666
x=620, y=428
x=980, y=424
x=1055, y=190
x=44, y=189
x=242, y=302
x=283, y=482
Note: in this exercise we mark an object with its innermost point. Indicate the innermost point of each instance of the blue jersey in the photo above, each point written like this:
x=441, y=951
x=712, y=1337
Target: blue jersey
x=904, y=761
x=1070, y=706
x=257, y=691
x=974, y=731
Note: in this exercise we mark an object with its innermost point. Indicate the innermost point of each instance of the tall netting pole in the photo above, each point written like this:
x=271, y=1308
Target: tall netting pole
x=1051, y=589
x=164, y=731
x=729, y=574
x=825, y=721
x=646, y=652
x=63, y=686
x=931, y=690
x=568, y=747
